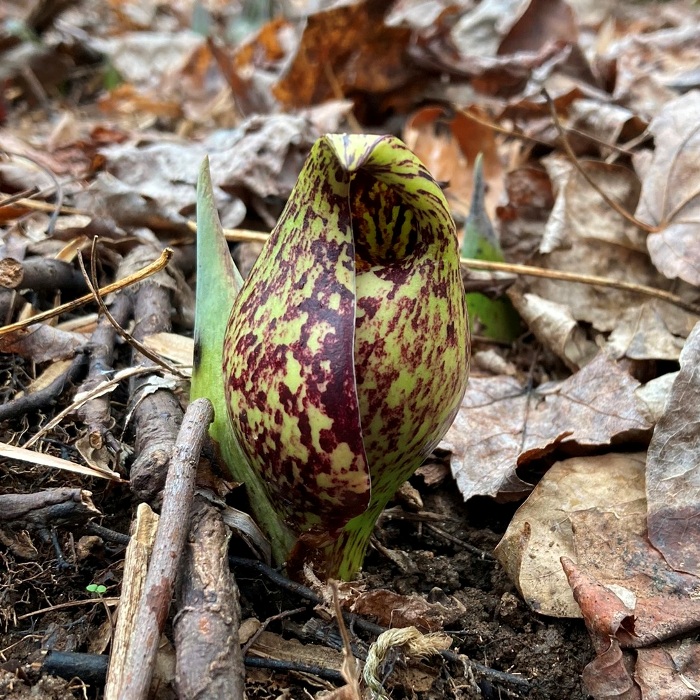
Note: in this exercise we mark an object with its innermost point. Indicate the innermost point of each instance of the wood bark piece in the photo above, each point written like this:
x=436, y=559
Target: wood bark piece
x=167, y=551
x=208, y=652
x=40, y=275
x=138, y=553
x=158, y=415
x=96, y=414
x=39, y=399
x=49, y=508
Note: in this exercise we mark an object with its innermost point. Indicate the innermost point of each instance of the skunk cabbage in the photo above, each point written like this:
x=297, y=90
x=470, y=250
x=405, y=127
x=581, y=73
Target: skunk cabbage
x=345, y=355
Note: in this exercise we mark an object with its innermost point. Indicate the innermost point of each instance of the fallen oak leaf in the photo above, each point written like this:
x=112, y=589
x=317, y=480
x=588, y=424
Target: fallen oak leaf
x=501, y=427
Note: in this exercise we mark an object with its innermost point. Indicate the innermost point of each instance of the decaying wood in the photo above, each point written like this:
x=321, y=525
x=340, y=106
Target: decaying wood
x=167, y=551
x=39, y=399
x=96, y=414
x=138, y=553
x=41, y=274
x=90, y=668
x=157, y=415
x=209, y=657
x=49, y=508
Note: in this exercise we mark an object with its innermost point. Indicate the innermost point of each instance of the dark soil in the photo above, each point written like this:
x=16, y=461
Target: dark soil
x=496, y=629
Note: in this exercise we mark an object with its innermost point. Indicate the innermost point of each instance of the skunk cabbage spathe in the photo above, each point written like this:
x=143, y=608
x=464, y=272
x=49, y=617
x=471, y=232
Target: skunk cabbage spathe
x=345, y=356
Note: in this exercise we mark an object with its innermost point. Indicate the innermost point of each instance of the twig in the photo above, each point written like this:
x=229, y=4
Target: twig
x=208, y=656
x=91, y=281
x=575, y=162
x=328, y=674
x=142, y=274
x=109, y=535
x=167, y=552
x=530, y=271
x=38, y=399
x=138, y=551
x=486, y=556
x=156, y=415
x=357, y=622
x=96, y=413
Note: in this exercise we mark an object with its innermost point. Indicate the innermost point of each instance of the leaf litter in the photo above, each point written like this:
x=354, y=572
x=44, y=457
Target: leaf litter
x=587, y=420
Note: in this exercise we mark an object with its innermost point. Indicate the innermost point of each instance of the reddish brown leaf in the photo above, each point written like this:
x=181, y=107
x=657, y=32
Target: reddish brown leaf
x=669, y=671
x=609, y=676
x=343, y=51
x=448, y=145
x=501, y=426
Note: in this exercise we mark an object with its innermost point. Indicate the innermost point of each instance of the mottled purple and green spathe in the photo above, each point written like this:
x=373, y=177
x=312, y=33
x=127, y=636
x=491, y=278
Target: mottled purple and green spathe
x=346, y=353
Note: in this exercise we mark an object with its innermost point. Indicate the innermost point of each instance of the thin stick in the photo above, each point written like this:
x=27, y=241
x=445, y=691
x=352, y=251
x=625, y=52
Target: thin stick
x=574, y=160
x=135, y=277
x=173, y=527
x=91, y=281
x=517, y=134
x=245, y=235
x=530, y=271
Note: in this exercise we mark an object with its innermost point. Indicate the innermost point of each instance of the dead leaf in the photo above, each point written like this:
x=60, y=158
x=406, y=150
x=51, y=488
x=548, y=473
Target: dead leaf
x=42, y=343
x=393, y=610
x=501, y=426
x=670, y=198
x=673, y=468
x=540, y=532
x=669, y=671
x=344, y=51
x=609, y=676
x=624, y=587
x=580, y=213
x=555, y=328
x=643, y=333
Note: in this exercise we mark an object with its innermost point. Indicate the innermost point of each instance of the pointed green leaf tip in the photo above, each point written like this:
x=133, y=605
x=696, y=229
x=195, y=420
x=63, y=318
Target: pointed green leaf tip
x=345, y=356
x=498, y=318
x=218, y=283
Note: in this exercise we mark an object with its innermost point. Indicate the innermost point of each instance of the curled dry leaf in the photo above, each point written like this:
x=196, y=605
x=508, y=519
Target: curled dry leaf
x=670, y=198
x=501, y=427
x=673, y=468
x=555, y=328
x=540, y=532
x=610, y=676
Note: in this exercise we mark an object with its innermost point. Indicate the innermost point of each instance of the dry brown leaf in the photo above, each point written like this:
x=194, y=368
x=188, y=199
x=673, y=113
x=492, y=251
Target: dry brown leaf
x=393, y=610
x=555, y=328
x=609, y=675
x=623, y=585
x=670, y=198
x=581, y=213
x=540, y=532
x=42, y=343
x=669, y=671
x=344, y=51
x=673, y=468
x=643, y=332
x=501, y=426
x=672, y=51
